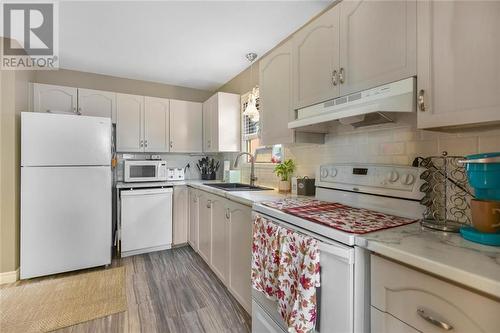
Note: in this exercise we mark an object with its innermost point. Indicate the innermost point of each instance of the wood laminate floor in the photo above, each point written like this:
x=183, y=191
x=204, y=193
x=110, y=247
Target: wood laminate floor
x=171, y=291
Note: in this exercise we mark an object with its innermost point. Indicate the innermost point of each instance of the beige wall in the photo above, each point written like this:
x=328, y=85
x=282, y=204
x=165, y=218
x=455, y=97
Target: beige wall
x=243, y=82
x=14, y=100
x=65, y=77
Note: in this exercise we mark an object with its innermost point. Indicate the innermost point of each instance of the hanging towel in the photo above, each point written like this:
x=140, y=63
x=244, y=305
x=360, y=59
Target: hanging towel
x=265, y=256
x=298, y=278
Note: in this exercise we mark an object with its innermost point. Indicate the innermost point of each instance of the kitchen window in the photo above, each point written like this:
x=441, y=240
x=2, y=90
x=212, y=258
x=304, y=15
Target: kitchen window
x=251, y=135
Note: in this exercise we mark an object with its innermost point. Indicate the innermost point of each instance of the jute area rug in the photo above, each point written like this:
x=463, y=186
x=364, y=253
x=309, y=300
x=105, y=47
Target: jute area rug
x=48, y=305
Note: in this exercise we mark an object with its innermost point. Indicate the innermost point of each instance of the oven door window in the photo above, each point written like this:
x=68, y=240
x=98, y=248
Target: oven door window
x=142, y=171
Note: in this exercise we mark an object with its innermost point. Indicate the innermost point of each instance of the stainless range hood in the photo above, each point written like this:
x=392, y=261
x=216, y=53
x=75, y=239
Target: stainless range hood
x=365, y=108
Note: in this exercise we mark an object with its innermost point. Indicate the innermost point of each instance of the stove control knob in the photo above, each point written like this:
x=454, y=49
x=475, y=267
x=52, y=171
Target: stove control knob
x=392, y=176
x=333, y=172
x=407, y=179
x=324, y=172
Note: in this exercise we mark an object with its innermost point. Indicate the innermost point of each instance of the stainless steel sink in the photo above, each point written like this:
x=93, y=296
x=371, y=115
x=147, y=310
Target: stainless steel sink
x=237, y=187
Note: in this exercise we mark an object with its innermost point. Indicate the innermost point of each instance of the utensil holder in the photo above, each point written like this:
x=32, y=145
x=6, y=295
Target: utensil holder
x=447, y=193
x=208, y=176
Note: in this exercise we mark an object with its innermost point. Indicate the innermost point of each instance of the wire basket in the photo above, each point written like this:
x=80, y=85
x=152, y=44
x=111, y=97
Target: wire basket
x=447, y=193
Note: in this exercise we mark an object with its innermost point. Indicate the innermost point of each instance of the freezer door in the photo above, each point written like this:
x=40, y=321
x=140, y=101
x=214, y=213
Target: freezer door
x=65, y=219
x=56, y=139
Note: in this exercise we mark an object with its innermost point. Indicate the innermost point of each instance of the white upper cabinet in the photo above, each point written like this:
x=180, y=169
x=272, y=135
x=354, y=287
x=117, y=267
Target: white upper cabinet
x=209, y=119
x=129, y=123
x=458, y=63
x=142, y=124
x=51, y=98
x=378, y=43
x=97, y=103
x=156, y=124
x=221, y=123
x=185, y=127
x=275, y=89
x=86, y=102
x=316, y=60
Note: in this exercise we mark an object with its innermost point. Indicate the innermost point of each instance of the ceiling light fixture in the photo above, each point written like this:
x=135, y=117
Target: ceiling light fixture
x=251, y=108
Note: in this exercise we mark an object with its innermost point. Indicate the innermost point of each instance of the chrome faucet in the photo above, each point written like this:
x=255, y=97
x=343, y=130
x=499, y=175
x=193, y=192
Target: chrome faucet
x=252, y=168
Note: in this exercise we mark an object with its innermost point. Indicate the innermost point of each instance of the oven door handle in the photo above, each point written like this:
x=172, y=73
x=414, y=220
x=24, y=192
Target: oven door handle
x=343, y=252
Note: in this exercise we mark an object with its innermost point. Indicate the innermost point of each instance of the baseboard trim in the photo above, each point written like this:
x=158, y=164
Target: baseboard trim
x=145, y=250
x=9, y=277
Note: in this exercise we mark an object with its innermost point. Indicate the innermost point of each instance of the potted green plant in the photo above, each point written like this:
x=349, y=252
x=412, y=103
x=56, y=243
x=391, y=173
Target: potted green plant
x=284, y=170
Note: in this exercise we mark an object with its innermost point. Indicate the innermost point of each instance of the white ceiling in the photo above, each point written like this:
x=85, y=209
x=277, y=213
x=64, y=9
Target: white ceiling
x=198, y=44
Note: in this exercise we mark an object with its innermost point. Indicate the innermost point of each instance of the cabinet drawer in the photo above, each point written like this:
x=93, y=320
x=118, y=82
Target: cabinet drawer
x=382, y=322
x=404, y=292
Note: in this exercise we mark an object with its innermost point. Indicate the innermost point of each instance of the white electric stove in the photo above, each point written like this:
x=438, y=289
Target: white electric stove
x=344, y=295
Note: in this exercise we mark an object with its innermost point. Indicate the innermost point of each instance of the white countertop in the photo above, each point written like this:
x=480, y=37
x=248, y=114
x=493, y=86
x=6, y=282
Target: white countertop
x=444, y=254
x=244, y=197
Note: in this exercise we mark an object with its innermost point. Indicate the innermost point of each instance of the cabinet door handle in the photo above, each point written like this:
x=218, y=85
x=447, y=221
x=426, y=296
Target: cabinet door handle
x=171, y=144
x=421, y=101
x=141, y=144
x=342, y=75
x=334, y=78
x=434, y=321
x=228, y=214
x=145, y=143
x=79, y=112
x=209, y=204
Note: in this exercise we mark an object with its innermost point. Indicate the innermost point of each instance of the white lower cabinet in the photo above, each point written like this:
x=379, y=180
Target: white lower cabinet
x=193, y=219
x=205, y=227
x=382, y=322
x=426, y=303
x=180, y=215
x=240, y=252
x=220, y=230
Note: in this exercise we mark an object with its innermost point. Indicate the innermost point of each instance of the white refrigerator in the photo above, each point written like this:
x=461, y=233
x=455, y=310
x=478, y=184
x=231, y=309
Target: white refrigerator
x=66, y=195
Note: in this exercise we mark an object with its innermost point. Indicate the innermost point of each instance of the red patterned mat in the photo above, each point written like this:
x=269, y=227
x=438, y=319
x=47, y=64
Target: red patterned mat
x=338, y=216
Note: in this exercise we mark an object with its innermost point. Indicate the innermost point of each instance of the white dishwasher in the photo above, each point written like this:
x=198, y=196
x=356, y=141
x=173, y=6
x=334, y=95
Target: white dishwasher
x=146, y=220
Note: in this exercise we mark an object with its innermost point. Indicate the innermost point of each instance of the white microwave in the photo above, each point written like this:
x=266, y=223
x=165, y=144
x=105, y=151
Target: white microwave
x=144, y=171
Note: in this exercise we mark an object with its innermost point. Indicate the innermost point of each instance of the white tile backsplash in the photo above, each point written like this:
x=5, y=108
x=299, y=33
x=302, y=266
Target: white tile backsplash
x=397, y=143
x=173, y=161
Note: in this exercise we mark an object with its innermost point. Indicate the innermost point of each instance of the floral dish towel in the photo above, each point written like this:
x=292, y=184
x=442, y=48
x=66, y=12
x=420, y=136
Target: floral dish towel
x=298, y=278
x=286, y=268
x=265, y=256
